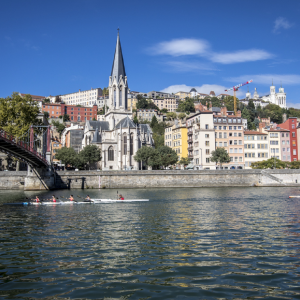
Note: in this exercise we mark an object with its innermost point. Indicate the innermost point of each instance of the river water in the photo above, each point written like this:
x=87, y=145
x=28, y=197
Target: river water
x=202, y=243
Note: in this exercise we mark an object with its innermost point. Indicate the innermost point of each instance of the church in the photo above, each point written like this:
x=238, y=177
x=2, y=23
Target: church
x=274, y=98
x=118, y=137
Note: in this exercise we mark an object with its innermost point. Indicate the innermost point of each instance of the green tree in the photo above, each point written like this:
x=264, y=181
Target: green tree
x=246, y=115
x=164, y=110
x=271, y=163
x=144, y=154
x=220, y=156
x=294, y=164
x=66, y=117
x=46, y=100
x=46, y=114
x=274, y=112
x=90, y=154
x=165, y=156
x=229, y=102
x=66, y=155
x=215, y=102
x=181, y=116
x=18, y=113
x=186, y=106
x=59, y=126
x=135, y=119
x=153, y=121
x=184, y=161
x=105, y=91
x=171, y=116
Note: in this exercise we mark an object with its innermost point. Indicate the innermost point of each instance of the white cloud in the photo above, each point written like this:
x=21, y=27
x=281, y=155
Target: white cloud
x=198, y=47
x=281, y=23
x=205, y=89
x=288, y=79
x=180, y=47
x=241, y=56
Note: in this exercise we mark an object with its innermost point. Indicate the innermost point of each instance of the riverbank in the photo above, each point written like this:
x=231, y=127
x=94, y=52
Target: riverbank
x=153, y=179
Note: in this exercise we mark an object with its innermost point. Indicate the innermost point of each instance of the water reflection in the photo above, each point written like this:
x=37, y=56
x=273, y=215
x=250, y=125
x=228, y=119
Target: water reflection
x=193, y=243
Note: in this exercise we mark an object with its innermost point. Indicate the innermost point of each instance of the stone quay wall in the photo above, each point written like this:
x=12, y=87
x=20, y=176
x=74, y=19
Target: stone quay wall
x=151, y=179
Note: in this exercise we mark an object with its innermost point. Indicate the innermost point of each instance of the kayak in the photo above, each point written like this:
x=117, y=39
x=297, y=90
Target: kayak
x=294, y=196
x=115, y=201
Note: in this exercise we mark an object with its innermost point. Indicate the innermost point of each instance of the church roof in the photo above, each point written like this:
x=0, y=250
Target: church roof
x=103, y=125
x=146, y=128
x=125, y=123
x=118, y=67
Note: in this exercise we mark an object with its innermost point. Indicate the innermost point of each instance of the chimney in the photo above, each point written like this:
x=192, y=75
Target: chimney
x=239, y=114
x=261, y=125
x=223, y=111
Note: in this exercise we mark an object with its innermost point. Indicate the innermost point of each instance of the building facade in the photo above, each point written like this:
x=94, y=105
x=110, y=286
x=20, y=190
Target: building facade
x=256, y=146
x=170, y=104
x=147, y=115
x=76, y=113
x=84, y=98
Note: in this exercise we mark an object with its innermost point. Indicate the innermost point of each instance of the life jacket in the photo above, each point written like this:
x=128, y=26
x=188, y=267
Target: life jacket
x=37, y=199
x=71, y=199
x=122, y=198
x=54, y=200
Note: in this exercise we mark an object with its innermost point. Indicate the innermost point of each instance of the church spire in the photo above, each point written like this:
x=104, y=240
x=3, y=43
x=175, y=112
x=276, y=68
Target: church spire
x=118, y=67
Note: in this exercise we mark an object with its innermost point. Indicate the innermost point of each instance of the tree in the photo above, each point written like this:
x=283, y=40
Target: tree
x=164, y=110
x=186, y=106
x=90, y=154
x=46, y=114
x=46, y=100
x=66, y=155
x=18, y=113
x=144, y=154
x=153, y=121
x=94, y=119
x=171, y=116
x=165, y=156
x=229, y=103
x=135, y=119
x=246, y=115
x=184, y=161
x=274, y=112
x=220, y=156
x=59, y=127
x=271, y=163
x=105, y=91
x=181, y=116
x=66, y=118
x=215, y=102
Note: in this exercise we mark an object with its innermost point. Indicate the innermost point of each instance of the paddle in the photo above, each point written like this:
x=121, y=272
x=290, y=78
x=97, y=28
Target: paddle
x=85, y=199
x=117, y=195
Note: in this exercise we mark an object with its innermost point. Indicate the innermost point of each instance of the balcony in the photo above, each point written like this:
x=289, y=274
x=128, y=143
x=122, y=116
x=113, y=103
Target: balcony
x=191, y=156
x=190, y=132
x=190, y=140
x=190, y=148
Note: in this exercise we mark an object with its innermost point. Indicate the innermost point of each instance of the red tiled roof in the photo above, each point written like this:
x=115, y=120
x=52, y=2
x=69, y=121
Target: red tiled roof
x=275, y=129
x=253, y=132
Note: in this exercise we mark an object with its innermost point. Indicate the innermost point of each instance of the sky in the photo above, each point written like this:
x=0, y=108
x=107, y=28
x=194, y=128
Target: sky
x=58, y=47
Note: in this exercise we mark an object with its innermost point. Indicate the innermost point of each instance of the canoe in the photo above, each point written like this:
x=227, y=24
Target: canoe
x=294, y=196
x=97, y=201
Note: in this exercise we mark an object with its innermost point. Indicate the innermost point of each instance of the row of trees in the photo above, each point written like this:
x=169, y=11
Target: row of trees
x=82, y=160
x=274, y=163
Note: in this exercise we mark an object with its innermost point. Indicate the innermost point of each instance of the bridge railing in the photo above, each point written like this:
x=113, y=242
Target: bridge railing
x=13, y=140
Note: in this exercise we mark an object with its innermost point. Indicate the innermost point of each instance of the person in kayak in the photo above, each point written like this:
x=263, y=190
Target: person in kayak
x=71, y=198
x=53, y=198
x=37, y=199
x=88, y=199
x=121, y=197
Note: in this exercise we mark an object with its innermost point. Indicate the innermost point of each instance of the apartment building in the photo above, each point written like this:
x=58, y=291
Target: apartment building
x=229, y=134
x=201, y=140
x=182, y=95
x=279, y=143
x=154, y=95
x=84, y=98
x=147, y=114
x=256, y=146
x=170, y=104
x=76, y=113
x=291, y=124
x=176, y=138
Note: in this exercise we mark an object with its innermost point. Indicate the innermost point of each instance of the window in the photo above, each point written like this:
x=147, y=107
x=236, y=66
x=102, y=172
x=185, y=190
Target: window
x=207, y=160
x=246, y=154
x=224, y=127
x=207, y=151
x=240, y=142
x=124, y=144
x=220, y=144
x=294, y=152
x=293, y=134
x=240, y=150
x=131, y=144
x=206, y=135
x=283, y=142
x=240, y=159
x=294, y=143
x=206, y=126
x=220, y=135
x=235, y=134
x=240, y=134
x=110, y=153
x=225, y=135
x=206, y=143
x=230, y=133
x=230, y=127
x=225, y=144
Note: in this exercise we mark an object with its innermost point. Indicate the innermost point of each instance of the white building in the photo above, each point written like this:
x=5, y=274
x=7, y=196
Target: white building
x=116, y=134
x=256, y=147
x=84, y=98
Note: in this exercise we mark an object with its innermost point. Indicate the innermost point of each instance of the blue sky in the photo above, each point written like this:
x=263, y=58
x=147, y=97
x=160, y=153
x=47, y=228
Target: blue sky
x=58, y=47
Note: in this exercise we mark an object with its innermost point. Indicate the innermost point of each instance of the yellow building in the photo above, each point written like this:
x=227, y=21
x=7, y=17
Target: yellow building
x=177, y=139
x=183, y=95
x=131, y=102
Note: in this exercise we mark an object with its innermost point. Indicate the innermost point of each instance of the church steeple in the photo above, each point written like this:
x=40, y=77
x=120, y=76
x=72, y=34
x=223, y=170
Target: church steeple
x=118, y=86
x=118, y=67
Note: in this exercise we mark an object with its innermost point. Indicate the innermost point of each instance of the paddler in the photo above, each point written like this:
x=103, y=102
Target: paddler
x=88, y=199
x=37, y=199
x=71, y=198
x=121, y=197
x=53, y=198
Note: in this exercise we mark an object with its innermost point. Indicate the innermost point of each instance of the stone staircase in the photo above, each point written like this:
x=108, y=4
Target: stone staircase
x=265, y=173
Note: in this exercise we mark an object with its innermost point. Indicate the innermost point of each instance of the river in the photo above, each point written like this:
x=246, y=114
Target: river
x=202, y=243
